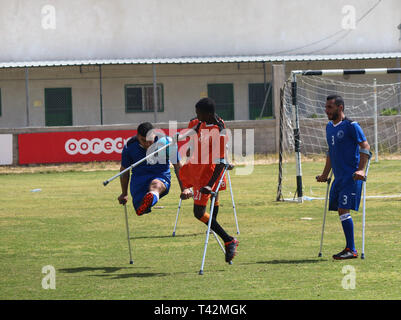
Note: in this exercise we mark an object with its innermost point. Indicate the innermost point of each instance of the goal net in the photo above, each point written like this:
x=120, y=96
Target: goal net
x=375, y=105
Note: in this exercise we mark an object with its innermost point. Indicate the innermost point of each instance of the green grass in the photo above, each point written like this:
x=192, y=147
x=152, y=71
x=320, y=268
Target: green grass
x=76, y=225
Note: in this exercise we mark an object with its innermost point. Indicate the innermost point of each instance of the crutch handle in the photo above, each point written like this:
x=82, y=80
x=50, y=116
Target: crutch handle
x=327, y=180
x=364, y=178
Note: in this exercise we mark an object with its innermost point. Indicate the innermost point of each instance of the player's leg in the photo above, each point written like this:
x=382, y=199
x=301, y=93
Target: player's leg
x=200, y=202
x=349, y=199
x=158, y=188
x=216, y=207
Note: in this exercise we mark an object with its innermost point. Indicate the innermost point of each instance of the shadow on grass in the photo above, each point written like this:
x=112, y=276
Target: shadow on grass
x=166, y=236
x=84, y=269
x=108, y=272
x=131, y=275
x=291, y=261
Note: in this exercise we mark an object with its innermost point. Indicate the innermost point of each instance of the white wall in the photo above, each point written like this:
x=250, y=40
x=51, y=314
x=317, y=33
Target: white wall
x=88, y=29
x=6, y=149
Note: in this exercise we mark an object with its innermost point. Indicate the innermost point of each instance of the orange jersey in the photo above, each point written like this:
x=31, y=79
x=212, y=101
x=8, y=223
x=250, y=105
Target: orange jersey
x=208, y=147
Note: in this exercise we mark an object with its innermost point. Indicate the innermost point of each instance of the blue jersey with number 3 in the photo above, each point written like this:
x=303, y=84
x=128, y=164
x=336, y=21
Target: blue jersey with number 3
x=343, y=140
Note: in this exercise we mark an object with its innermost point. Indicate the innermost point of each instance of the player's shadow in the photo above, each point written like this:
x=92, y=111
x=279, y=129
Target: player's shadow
x=84, y=269
x=108, y=272
x=131, y=275
x=166, y=236
x=301, y=261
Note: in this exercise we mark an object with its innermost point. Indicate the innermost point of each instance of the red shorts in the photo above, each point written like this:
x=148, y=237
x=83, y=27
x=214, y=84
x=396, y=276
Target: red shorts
x=196, y=176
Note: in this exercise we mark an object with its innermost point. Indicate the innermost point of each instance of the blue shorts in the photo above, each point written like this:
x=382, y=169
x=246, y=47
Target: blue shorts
x=345, y=194
x=140, y=189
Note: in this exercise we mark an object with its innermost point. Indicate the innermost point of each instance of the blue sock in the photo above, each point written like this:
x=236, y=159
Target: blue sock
x=348, y=227
x=155, y=197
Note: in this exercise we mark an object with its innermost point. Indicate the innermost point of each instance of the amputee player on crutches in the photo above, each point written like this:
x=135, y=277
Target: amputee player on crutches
x=348, y=155
x=193, y=123
x=204, y=168
x=150, y=181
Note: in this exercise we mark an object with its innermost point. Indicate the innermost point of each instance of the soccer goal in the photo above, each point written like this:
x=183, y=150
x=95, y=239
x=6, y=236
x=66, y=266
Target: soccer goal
x=372, y=98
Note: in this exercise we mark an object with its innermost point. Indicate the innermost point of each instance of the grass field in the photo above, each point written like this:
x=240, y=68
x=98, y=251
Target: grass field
x=76, y=225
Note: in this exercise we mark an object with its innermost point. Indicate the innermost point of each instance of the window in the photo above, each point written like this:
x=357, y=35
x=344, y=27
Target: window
x=223, y=95
x=139, y=98
x=257, y=95
x=58, y=106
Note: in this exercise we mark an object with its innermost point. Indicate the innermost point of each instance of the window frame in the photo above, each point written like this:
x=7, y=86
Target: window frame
x=144, y=85
x=259, y=84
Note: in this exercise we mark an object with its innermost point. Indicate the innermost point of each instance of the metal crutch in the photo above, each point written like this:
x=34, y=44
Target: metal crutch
x=214, y=194
x=325, y=212
x=232, y=199
x=176, y=218
x=127, y=227
x=364, y=207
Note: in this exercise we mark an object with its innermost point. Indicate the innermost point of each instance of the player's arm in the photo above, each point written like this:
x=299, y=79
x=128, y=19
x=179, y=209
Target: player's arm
x=124, y=181
x=363, y=160
x=216, y=174
x=326, y=170
x=186, y=193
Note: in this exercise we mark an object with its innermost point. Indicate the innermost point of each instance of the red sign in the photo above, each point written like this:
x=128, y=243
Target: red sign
x=83, y=146
x=59, y=147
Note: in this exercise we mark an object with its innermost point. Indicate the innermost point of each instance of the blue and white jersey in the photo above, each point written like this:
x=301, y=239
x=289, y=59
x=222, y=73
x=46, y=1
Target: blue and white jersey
x=343, y=140
x=147, y=170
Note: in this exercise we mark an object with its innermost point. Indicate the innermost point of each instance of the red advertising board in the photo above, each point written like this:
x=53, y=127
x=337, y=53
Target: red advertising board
x=83, y=146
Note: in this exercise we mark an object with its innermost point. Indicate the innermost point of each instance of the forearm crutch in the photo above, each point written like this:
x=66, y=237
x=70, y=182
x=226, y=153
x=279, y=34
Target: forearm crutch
x=325, y=212
x=214, y=234
x=232, y=200
x=176, y=218
x=364, y=206
x=106, y=182
x=172, y=140
x=129, y=241
x=214, y=194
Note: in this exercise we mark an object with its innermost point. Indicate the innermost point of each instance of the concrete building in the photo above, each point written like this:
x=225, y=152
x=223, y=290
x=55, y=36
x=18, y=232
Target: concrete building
x=95, y=62
x=89, y=63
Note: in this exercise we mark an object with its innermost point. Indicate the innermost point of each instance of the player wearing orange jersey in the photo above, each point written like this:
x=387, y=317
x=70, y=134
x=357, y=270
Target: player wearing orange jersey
x=205, y=167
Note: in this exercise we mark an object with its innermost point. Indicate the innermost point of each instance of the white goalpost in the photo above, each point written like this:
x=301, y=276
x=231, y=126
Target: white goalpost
x=372, y=98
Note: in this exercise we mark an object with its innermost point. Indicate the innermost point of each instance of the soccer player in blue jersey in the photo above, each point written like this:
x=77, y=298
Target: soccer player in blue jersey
x=149, y=181
x=347, y=157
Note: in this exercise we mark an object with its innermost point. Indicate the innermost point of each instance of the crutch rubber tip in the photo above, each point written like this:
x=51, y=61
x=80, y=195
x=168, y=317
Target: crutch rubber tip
x=105, y=183
x=362, y=256
x=131, y=262
x=319, y=255
x=173, y=234
x=201, y=272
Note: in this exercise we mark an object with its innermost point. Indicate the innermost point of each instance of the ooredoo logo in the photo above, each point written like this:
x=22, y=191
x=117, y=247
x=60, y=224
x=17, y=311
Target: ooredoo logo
x=95, y=145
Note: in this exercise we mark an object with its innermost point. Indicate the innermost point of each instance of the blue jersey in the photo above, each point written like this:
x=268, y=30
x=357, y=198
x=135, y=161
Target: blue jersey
x=343, y=140
x=145, y=172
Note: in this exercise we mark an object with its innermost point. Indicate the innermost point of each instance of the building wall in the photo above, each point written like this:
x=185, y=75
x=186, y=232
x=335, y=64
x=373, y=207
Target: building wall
x=184, y=85
x=74, y=29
